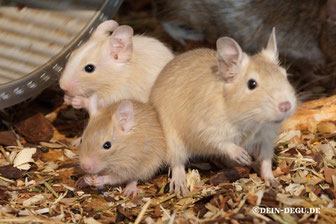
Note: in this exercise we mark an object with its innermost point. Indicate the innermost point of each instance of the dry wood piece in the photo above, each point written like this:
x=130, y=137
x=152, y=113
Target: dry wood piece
x=230, y=175
x=314, y=116
x=10, y=172
x=35, y=129
x=7, y=138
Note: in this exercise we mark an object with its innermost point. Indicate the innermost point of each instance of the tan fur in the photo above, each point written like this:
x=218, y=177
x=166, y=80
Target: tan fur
x=115, y=81
x=136, y=155
x=203, y=115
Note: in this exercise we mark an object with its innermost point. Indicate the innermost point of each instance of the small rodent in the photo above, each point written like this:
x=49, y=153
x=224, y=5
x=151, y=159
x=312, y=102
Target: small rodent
x=306, y=30
x=122, y=143
x=115, y=65
x=222, y=104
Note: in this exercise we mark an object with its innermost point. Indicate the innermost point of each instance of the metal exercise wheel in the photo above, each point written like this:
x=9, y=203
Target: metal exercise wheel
x=37, y=37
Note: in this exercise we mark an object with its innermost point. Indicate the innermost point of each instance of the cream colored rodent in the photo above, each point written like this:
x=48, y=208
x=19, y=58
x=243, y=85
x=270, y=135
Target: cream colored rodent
x=114, y=66
x=123, y=143
x=226, y=104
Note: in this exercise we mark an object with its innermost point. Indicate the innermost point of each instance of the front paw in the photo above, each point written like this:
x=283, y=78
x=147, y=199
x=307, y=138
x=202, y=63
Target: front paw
x=78, y=102
x=67, y=99
x=267, y=174
x=100, y=181
x=88, y=179
x=178, y=183
x=84, y=181
x=240, y=156
x=272, y=181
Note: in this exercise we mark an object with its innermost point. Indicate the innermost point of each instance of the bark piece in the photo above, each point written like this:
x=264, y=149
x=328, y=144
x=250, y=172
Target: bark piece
x=7, y=138
x=10, y=172
x=35, y=129
x=230, y=175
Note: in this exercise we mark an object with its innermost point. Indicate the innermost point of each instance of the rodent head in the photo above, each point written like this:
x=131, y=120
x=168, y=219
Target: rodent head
x=100, y=64
x=328, y=35
x=105, y=141
x=255, y=88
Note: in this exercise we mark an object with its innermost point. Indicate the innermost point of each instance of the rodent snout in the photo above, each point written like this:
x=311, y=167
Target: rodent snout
x=284, y=106
x=89, y=165
x=65, y=86
x=68, y=86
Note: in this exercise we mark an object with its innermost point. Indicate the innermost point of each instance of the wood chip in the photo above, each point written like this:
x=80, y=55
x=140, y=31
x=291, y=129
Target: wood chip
x=35, y=129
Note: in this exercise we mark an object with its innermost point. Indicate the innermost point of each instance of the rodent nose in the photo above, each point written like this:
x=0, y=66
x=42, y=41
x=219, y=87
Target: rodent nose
x=284, y=106
x=88, y=167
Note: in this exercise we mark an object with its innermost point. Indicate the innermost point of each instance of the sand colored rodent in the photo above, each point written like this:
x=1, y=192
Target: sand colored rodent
x=125, y=66
x=137, y=146
x=207, y=108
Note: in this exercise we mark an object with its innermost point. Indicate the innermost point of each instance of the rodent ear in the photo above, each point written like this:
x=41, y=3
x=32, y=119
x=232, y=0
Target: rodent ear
x=229, y=57
x=105, y=28
x=272, y=48
x=93, y=105
x=332, y=9
x=125, y=116
x=121, y=44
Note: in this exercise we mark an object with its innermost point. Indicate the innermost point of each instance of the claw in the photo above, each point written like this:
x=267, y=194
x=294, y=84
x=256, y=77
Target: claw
x=78, y=102
x=81, y=183
x=241, y=156
x=131, y=189
x=267, y=174
x=273, y=182
x=67, y=100
x=178, y=183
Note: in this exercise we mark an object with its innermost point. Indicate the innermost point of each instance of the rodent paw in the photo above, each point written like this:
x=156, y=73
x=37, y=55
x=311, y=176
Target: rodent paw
x=88, y=179
x=131, y=191
x=100, y=181
x=67, y=99
x=81, y=183
x=77, y=102
x=272, y=181
x=241, y=156
x=179, y=186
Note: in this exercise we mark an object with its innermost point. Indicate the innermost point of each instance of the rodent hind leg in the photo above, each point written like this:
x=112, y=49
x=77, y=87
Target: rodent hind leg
x=131, y=189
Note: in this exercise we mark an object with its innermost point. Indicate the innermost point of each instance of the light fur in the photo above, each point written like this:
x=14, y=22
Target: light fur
x=113, y=81
x=204, y=115
x=135, y=155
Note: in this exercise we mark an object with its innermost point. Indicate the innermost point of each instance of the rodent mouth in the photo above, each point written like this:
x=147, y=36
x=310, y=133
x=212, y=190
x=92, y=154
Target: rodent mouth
x=280, y=120
x=103, y=172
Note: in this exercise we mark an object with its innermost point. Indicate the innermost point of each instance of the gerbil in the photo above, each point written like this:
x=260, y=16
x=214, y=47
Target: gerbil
x=123, y=143
x=115, y=65
x=225, y=104
x=306, y=30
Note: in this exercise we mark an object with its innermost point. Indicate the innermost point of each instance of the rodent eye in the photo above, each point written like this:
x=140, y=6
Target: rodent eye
x=89, y=68
x=107, y=145
x=252, y=84
x=81, y=140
